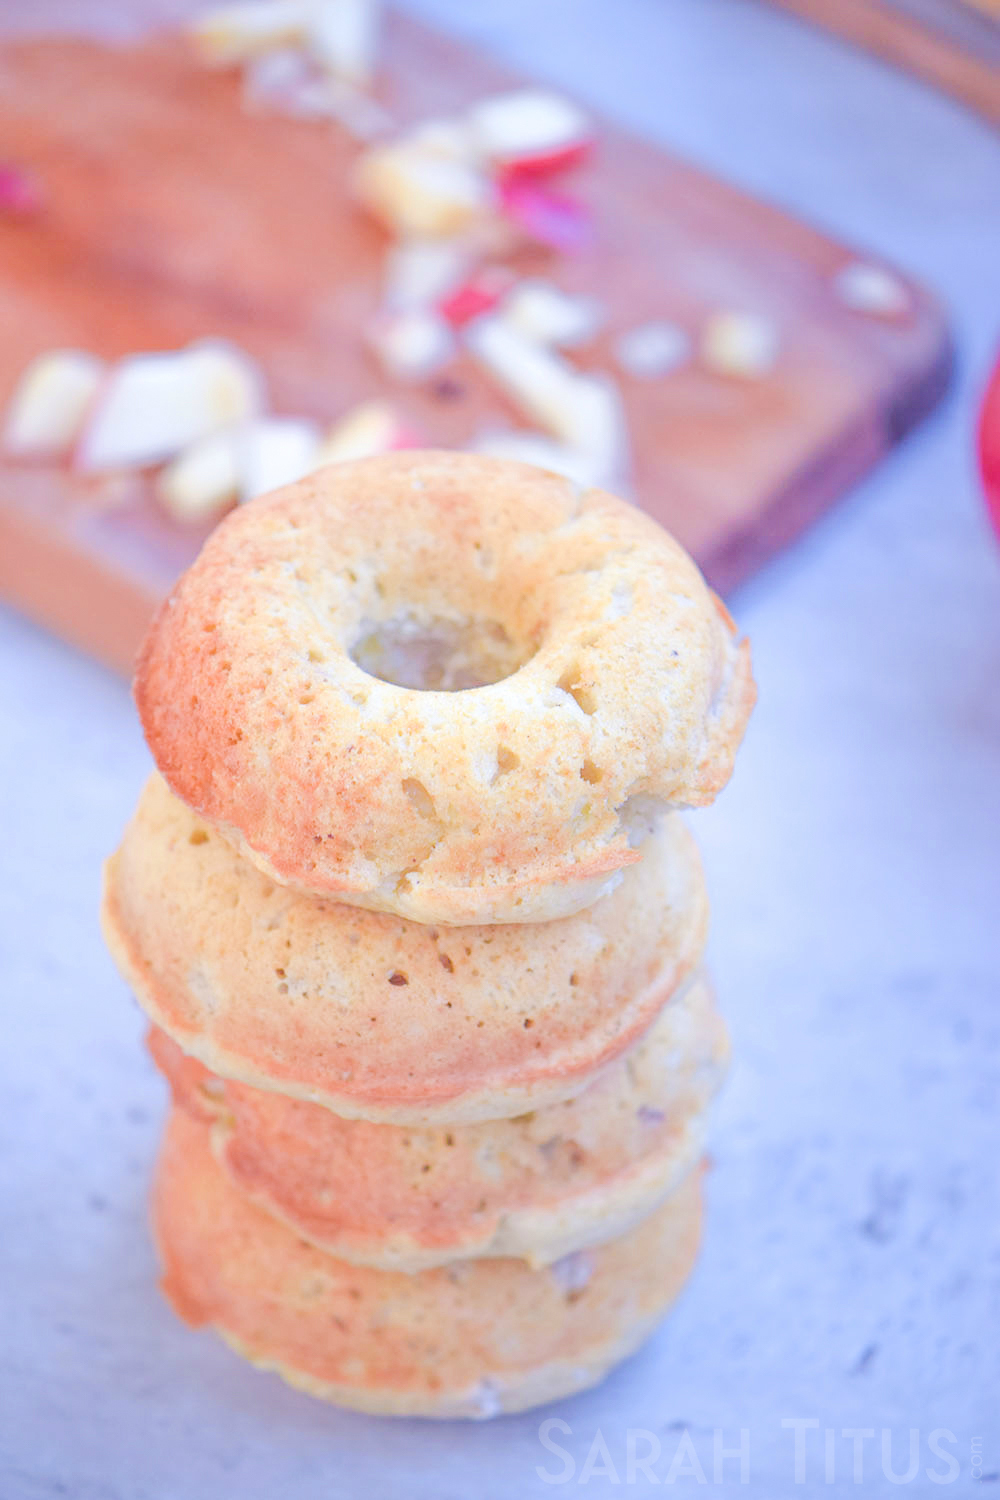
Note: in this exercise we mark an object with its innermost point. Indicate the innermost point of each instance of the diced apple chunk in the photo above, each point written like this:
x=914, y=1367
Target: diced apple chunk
x=547, y=315
x=233, y=384
x=531, y=129
x=583, y=411
x=365, y=431
x=445, y=137
x=653, y=349
x=154, y=405
x=540, y=382
x=274, y=79
x=330, y=98
x=412, y=345
x=419, y=273
x=203, y=480
x=740, y=344
x=595, y=424
x=868, y=288
x=342, y=36
x=418, y=194
x=480, y=294
x=51, y=402
x=234, y=33
x=274, y=452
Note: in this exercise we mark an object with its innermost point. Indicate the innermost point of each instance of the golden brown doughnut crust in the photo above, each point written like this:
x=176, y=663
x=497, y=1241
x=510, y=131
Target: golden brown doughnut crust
x=537, y=1187
x=513, y=801
x=470, y=1339
x=381, y=1018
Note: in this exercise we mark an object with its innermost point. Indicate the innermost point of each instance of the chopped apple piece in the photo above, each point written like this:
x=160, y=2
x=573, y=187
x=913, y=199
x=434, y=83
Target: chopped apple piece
x=420, y=273
x=418, y=194
x=542, y=384
x=544, y=452
x=653, y=349
x=596, y=425
x=274, y=452
x=445, y=137
x=203, y=480
x=50, y=403
x=154, y=405
x=872, y=289
x=274, y=79
x=742, y=344
x=366, y=430
x=547, y=315
x=480, y=294
x=329, y=98
x=531, y=131
x=234, y=33
x=412, y=345
x=233, y=383
x=342, y=36
x=583, y=411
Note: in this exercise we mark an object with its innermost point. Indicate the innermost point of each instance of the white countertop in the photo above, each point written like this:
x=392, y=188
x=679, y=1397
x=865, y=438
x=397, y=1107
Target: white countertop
x=851, y=1270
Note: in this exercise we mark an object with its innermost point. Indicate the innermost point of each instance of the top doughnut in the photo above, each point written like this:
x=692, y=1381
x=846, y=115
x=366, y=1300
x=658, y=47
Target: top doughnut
x=450, y=687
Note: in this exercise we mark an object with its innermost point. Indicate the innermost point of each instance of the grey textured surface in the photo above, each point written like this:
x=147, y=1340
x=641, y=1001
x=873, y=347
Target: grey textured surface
x=851, y=1273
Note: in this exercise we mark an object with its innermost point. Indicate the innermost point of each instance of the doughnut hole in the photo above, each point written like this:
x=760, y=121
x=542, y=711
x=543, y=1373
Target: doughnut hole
x=432, y=653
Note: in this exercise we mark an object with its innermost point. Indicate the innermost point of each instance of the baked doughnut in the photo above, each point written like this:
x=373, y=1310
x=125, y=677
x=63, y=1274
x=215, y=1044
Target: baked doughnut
x=377, y=1017
x=441, y=685
x=471, y=1339
x=537, y=1187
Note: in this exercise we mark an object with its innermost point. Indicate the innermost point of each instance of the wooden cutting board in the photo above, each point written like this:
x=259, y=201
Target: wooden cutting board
x=173, y=214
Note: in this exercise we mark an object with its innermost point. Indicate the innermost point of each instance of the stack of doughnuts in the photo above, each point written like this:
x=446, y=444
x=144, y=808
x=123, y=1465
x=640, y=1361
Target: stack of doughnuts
x=418, y=927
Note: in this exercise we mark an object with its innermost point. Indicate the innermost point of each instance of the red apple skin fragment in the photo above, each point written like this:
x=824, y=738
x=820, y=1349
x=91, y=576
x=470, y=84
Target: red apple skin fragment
x=545, y=163
x=478, y=295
